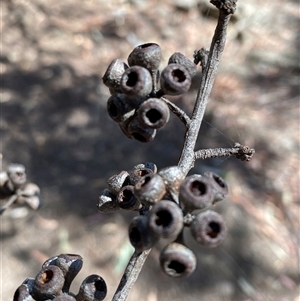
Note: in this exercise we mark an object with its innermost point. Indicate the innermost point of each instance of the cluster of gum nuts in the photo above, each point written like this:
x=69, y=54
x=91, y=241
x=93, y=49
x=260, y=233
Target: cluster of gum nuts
x=53, y=282
x=136, y=102
x=167, y=203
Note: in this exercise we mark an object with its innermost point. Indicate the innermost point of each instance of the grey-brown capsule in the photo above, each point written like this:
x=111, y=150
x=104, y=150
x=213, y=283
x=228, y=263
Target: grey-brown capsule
x=113, y=75
x=165, y=219
x=119, y=107
x=209, y=229
x=138, y=172
x=139, y=235
x=127, y=199
x=93, y=288
x=139, y=132
x=116, y=182
x=153, y=113
x=136, y=82
x=175, y=80
x=48, y=283
x=148, y=165
x=107, y=202
x=181, y=59
x=150, y=189
x=178, y=261
x=220, y=187
x=196, y=192
x=23, y=292
x=146, y=55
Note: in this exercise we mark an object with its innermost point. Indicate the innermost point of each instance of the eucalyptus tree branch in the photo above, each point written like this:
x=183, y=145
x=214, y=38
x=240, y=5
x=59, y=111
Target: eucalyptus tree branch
x=187, y=158
x=241, y=152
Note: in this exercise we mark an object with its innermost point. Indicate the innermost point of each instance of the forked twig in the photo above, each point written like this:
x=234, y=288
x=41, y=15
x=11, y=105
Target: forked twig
x=188, y=157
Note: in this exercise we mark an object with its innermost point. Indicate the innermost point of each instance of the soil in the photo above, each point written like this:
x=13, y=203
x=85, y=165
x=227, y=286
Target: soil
x=54, y=121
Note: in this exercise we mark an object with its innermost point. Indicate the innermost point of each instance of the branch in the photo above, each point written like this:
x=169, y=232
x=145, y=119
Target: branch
x=241, y=152
x=187, y=158
x=177, y=111
x=130, y=275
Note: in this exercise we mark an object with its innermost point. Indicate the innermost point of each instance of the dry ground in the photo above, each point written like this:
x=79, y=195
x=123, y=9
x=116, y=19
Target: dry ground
x=54, y=121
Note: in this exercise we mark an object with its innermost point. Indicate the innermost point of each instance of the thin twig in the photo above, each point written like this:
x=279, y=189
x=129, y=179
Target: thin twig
x=187, y=158
x=241, y=152
x=177, y=111
x=130, y=275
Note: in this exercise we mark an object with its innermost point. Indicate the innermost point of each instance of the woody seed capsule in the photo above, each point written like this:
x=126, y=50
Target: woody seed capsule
x=181, y=59
x=175, y=80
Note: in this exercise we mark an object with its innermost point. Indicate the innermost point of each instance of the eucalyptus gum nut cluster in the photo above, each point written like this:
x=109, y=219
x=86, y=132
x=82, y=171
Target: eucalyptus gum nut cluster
x=139, y=235
x=136, y=82
x=150, y=189
x=153, y=113
x=175, y=79
x=196, y=192
x=113, y=75
x=181, y=59
x=177, y=260
x=208, y=228
x=54, y=279
x=165, y=219
x=220, y=187
x=146, y=55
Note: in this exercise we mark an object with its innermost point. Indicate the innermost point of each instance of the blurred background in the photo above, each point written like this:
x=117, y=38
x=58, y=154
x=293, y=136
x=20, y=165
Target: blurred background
x=54, y=121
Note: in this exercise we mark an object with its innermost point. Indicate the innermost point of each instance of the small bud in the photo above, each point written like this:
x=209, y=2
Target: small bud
x=113, y=75
x=107, y=202
x=139, y=235
x=181, y=59
x=119, y=107
x=116, y=182
x=196, y=192
x=136, y=82
x=146, y=55
x=150, y=189
x=165, y=219
x=177, y=260
x=175, y=80
x=48, y=283
x=208, y=228
x=127, y=200
x=93, y=288
x=220, y=187
x=153, y=113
